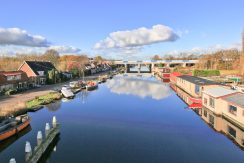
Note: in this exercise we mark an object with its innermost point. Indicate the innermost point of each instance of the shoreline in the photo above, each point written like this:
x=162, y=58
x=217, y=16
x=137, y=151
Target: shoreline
x=16, y=104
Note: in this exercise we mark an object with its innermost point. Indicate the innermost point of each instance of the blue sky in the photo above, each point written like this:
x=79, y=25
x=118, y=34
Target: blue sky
x=73, y=25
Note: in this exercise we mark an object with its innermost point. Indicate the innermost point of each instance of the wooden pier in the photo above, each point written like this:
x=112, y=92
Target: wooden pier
x=42, y=144
x=41, y=149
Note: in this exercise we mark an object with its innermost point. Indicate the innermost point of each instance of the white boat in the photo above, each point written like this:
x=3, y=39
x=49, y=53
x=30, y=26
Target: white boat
x=74, y=84
x=67, y=92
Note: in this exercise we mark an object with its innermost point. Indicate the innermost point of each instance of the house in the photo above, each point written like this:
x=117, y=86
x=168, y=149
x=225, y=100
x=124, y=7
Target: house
x=67, y=75
x=212, y=98
x=37, y=71
x=194, y=85
x=233, y=108
x=13, y=80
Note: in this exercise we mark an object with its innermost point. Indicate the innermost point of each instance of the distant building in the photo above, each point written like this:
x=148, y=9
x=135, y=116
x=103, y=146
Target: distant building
x=13, y=80
x=194, y=85
x=37, y=71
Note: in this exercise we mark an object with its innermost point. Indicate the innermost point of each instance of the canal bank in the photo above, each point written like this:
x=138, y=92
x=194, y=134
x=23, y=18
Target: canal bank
x=116, y=123
x=17, y=104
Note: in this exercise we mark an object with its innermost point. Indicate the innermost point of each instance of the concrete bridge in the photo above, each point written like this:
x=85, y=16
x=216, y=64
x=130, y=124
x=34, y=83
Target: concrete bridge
x=151, y=64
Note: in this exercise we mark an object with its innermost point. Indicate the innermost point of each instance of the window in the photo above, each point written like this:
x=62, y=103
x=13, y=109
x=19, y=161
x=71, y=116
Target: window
x=41, y=73
x=232, y=109
x=211, y=119
x=197, y=89
x=13, y=77
x=211, y=102
x=205, y=101
x=232, y=131
x=205, y=113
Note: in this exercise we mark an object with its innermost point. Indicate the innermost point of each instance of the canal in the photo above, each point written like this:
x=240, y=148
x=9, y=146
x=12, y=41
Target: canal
x=127, y=119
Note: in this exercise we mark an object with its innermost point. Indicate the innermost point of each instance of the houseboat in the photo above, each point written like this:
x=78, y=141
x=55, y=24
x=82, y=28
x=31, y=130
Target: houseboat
x=12, y=126
x=192, y=103
x=91, y=85
x=67, y=92
x=194, y=85
x=225, y=102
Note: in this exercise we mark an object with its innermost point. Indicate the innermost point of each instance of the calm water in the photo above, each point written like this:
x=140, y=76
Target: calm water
x=127, y=119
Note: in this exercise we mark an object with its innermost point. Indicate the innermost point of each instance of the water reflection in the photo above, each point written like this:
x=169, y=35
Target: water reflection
x=6, y=143
x=54, y=106
x=222, y=125
x=139, y=86
x=46, y=157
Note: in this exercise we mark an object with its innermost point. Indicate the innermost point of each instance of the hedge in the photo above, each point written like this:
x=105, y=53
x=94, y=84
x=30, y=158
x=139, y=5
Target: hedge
x=206, y=73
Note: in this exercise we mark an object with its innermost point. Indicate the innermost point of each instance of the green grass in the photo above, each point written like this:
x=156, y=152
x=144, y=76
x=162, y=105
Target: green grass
x=42, y=100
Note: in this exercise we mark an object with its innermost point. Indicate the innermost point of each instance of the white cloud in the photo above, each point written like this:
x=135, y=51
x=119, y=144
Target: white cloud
x=137, y=37
x=16, y=36
x=65, y=49
x=138, y=87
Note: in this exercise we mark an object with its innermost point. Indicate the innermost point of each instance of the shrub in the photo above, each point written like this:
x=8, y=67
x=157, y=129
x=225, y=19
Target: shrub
x=206, y=73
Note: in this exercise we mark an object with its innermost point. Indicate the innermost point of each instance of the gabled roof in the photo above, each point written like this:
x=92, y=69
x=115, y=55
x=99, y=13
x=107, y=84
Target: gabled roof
x=40, y=66
x=219, y=91
x=237, y=99
x=197, y=80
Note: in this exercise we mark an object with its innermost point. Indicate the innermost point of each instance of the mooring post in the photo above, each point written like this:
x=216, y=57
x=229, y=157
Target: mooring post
x=28, y=150
x=12, y=160
x=39, y=138
x=47, y=129
x=54, y=121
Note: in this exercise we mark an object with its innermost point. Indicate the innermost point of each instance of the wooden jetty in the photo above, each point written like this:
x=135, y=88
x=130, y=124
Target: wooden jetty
x=42, y=144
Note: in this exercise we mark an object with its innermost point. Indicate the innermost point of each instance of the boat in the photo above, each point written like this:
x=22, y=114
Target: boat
x=12, y=126
x=67, y=92
x=102, y=79
x=91, y=85
x=82, y=84
x=74, y=84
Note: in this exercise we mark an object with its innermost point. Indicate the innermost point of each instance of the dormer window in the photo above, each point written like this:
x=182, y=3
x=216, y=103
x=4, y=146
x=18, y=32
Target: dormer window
x=41, y=73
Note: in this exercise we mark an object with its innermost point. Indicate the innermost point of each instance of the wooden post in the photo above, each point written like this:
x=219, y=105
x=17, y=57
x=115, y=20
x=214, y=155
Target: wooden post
x=39, y=138
x=12, y=160
x=54, y=121
x=28, y=150
x=47, y=129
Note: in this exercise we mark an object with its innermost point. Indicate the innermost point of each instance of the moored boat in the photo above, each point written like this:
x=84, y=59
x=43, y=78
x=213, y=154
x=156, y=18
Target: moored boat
x=67, y=92
x=12, y=126
x=91, y=85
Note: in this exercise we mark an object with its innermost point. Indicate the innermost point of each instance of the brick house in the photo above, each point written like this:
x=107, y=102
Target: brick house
x=37, y=71
x=13, y=80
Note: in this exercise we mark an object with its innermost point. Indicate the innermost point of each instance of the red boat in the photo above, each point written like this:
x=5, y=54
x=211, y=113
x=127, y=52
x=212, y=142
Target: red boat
x=12, y=126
